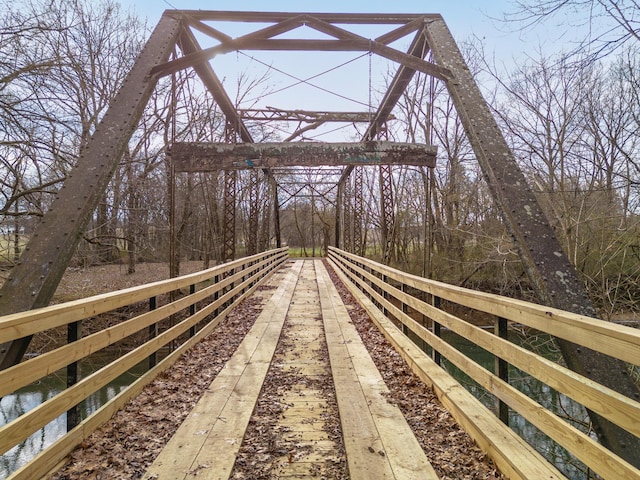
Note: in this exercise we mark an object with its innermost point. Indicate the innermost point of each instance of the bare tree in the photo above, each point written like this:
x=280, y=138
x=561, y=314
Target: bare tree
x=609, y=25
x=63, y=62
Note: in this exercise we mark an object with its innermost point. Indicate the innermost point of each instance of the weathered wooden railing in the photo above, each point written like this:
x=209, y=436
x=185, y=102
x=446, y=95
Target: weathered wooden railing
x=184, y=321
x=382, y=289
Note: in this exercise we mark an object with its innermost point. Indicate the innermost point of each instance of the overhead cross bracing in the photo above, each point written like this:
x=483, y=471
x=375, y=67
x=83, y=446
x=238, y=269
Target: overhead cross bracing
x=198, y=40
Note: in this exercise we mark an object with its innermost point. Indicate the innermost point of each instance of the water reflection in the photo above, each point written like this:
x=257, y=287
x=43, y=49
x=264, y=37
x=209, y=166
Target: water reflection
x=21, y=401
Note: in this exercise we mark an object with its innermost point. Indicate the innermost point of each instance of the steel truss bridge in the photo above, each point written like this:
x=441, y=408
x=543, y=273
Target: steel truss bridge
x=595, y=353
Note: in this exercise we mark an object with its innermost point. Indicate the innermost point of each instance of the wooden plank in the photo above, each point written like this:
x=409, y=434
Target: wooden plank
x=32, y=369
x=210, y=437
x=13, y=433
x=612, y=405
x=370, y=424
x=302, y=425
x=513, y=456
x=16, y=431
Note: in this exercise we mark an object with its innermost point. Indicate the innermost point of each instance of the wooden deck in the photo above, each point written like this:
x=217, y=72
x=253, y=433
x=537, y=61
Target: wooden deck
x=377, y=439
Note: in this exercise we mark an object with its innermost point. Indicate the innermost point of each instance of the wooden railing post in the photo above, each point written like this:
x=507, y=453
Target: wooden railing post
x=152, y=333
x=436, y=301
x=73, y=414
x=502, y=369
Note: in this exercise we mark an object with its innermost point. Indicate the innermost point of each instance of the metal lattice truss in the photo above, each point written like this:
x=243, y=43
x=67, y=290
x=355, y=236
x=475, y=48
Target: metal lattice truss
x=32, y=282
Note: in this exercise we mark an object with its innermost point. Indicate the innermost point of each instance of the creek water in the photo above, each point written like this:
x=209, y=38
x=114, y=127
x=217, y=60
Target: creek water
x=549, y=398
x=23, y=400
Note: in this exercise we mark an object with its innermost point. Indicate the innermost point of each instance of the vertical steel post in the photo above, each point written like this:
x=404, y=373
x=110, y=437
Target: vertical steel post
x=229, y=227
x=338, y=215
x=405, y=310
x=153, y=333
x=252, y=233
x=358, y=212
x=276, y=213
x=73, y=414
x=192, y=310
x=502, y=369
x=347, y=224
x=265, y=227
x=387, y=219
x=436, y=327
x=216, y=295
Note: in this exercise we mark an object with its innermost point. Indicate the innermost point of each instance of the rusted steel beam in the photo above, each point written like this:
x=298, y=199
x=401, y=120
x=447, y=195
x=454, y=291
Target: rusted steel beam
x=200, y=56
x=552, y=275
x=254, y=207
x=418, y=49
x=208, y=30
x=305, y=116
x=387, y=224
x=406, y=59
x=229, y=227
x=306, y=171
x=358, y=213
x=204, y=157
x=34, y=279
x=341, y=18
x=263, y=40
x=258, y=44
x=402, y=31
x=276, y=212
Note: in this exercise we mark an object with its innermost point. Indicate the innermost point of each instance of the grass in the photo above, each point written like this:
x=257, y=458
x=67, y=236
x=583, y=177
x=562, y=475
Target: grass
x=297, y=252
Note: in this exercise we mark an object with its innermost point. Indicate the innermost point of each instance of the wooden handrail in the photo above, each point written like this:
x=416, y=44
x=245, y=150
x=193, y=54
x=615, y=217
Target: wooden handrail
x=226, y=284
x=22, y=324
x=609, y=338
x=368, y=277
